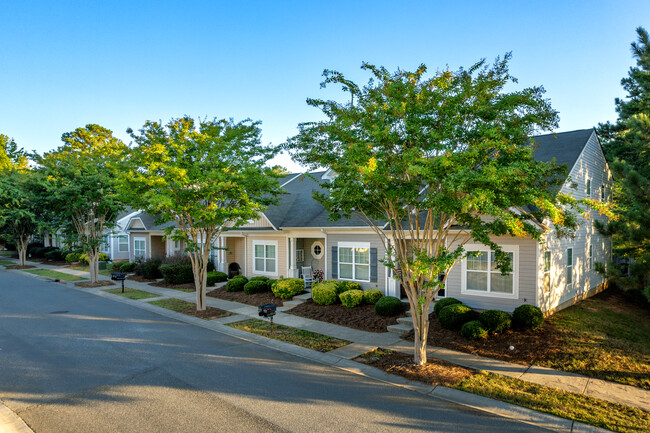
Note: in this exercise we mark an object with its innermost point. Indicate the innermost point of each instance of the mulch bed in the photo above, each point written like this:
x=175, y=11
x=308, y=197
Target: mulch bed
x=100, y=283
x=139, y=279
x=173, y=286
x=434, y=372
x=19, y=267
x=362, y=317
x=255, y=299
x=209, y=313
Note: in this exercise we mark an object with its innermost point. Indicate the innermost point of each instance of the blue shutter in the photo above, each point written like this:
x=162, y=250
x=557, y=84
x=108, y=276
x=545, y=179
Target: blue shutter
x=335, y=263
x=373, y=265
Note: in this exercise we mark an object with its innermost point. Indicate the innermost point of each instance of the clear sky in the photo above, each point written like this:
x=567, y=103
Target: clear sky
x=64, y=64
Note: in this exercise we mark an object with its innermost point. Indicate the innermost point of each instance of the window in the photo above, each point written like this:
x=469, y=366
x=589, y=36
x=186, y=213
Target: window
x=354, y=261
x=588, y=188
x=265, y=257
x=482, y=277
x=602, y=192
x=300, y=255
x=317, y=250
x=104, y=245
x=569, y=266
x=591, y=257
x=123, y=244
x=547, y=271
x=139, y=248
x=177, y=245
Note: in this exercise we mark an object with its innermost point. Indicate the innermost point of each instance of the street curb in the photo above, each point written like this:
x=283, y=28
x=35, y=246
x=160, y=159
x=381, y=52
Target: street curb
x=440, y=392
x=10, y=422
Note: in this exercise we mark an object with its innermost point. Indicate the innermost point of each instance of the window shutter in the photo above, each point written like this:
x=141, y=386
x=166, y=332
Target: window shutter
x=373, y=265
x=335, y=263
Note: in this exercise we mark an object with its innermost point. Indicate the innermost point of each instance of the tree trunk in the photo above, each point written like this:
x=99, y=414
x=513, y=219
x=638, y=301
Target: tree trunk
x=22, y=251
x=420, y=319
x=200, y=277
x=93, y=266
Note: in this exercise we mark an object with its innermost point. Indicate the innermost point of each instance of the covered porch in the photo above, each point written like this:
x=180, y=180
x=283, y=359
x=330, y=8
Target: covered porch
x=306, y=252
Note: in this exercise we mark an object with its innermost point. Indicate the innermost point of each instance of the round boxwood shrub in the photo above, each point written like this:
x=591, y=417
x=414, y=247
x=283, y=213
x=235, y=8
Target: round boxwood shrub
x=257, y=286
x=439, y=305
x=527, y=317
x=324, y=293
x=388, y=306
x=72, y=257
x=83, y=258
x=344, y=286
x=287, y=288
x=473, y=330
x=351, y=298
x=456, y=315
x=495, y=321
x=215, y=277
x=236, y=284
x=127, y=267
x=371, y=296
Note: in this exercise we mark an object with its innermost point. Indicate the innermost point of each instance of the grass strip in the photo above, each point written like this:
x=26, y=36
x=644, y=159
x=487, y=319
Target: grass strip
x=7, y=253
x=106, y=272
x=299, y=337
x=174, y=304
x=7, y=262
x=54, y=274
x=132, y=293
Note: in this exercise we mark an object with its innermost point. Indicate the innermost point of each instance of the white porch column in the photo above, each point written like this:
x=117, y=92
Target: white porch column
x=293, y=272
x=222, y=254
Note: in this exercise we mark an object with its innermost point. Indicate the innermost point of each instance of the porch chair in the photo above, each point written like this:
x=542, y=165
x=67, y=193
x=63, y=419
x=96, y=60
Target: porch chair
x=307, y=276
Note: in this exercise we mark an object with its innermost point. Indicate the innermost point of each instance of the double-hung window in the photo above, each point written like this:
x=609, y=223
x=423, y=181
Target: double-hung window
x=547, y=270
x=139, y=248
x=123, y=244
x=481, y=276
x=354, y=261
x=588, y=188
x=265, y=257
x=569, y=266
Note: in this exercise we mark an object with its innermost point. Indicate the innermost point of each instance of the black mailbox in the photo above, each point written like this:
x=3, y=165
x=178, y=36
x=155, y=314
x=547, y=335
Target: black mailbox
x=266, y=310
x=118, y=276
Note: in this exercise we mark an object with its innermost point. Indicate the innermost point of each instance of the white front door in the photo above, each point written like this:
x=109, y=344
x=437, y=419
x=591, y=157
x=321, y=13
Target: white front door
x=139, y=248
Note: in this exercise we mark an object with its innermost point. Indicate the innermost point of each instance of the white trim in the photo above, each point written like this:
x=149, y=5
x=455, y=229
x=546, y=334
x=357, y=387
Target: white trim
x=514, y=249
x=139, y=238
x=291, y=180
x=128, y=247
x=322, y=250
x=266, y=243
x=353, y=245
x=569, y=268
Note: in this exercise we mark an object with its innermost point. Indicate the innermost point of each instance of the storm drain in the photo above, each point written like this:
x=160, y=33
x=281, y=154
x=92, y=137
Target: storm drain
x=60, y=312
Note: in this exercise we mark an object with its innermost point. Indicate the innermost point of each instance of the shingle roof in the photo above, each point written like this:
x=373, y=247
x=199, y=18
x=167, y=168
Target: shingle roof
x=565, y=147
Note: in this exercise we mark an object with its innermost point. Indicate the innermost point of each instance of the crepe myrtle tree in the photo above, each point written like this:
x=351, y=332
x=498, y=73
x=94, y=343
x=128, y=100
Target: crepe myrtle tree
x=431, y=163
x=206, y=177
x=82, y=181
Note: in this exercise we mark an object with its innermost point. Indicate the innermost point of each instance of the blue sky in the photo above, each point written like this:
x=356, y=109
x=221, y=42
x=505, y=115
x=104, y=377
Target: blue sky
x=119, y=63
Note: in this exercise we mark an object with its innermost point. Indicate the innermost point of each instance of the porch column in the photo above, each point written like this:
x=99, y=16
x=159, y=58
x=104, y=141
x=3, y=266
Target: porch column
x=222, y=254
x=293, y=272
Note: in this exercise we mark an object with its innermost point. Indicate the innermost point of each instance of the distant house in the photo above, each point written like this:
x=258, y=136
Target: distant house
x=296, y=233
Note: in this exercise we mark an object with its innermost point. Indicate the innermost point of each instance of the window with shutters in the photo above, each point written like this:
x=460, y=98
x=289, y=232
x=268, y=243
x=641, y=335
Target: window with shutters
x=354, y=261
x=480, y=275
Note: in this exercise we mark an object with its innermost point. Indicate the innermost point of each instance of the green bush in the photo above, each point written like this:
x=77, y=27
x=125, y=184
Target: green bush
x=128, y=267
x=389, y=306
x=149, y=269
x=371, y=296
x=495, y=321
x=324, y=293
x=257, y=286
x=236, y=284
x=456, y=315
x=72, y=257
x=55, y=255
x=215, y=277
x=527, y=317
x=83, y=258
x=177, y=273
x=473, y=330
x=286, y=288
x=344, y=286
x=439, y=305
x=351, y=298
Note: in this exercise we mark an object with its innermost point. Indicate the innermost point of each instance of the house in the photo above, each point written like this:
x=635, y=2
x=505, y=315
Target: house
x=297, y=233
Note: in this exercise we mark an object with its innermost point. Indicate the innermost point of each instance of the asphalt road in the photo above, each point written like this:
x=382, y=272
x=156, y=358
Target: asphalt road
x=75, y=362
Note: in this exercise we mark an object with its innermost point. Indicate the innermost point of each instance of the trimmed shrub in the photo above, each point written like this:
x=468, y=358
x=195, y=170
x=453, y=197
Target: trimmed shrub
x=439, y=305
x=324, y=293
x=211, y=267
x=177, y=273
x=388, y=306
x=32, y=245
x=83, y=258
x=371, y=296
x=473, y=330
x=56, y=255
x=236, y=284
x=286, y=288
x=344, y=286
x=149, y=269
x=128, y=267
x=257, y=286
x=456, y=315
x=215, y=277
x=527, y=317
x=72, y=257
x=495, y=321
x=351, y=298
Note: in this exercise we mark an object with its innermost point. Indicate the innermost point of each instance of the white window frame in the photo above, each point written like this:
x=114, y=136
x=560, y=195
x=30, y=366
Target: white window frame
x=353, y=245
x=177, y=245
x=588, y=188
x=322, y=250
x=590, y=251
x=514, y=249
x=265, y=244
x=143, y=239
x=602, y=192
x=121, y=244
x=569, y=267
x=550, y=258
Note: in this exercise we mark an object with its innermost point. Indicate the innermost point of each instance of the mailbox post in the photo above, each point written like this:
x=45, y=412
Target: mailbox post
x=119, y=276
x=267, y=310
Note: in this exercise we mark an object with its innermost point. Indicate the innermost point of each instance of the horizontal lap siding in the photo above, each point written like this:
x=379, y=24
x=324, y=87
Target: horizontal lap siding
x=375, y=242
x=281, y=255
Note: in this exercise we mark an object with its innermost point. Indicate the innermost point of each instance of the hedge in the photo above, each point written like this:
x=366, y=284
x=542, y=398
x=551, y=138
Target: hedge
x=456, y=315
x=257, y=286
x=72, y=257
x=324, y=293
x=236, y=284
x=149, y=269
x=527, y=317
x=343, y=286
x=177, y=273
x=286, y=288
x=128, y=267
x=215, y=277
x=371, y=296
x=388, y=306
x=83, y=258
x=439, y=305
x=351, y=298
x=495, y=321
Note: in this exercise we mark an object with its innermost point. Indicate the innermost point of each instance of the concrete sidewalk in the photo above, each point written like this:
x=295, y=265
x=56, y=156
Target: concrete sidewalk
x=363, y=341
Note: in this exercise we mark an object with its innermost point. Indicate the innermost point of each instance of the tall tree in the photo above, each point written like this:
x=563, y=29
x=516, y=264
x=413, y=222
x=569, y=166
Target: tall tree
x=206, y=177
x=11, y=157
x=430, y=163
x=627, y=147
x=82, y=180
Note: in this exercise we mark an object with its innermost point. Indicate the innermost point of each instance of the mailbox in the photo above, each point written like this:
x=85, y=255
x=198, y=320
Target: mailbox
x=266, y=310
x=118, y=276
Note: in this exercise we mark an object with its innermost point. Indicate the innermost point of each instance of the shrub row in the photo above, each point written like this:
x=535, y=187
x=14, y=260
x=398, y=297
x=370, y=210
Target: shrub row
x=349, y=293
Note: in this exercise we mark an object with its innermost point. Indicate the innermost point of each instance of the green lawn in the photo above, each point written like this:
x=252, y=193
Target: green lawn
x=608, y=337
x=105, y=272
x=132, y=293
x=55, y=274
x=7, y=262
x=7, y=253
x=299, y=337
x=174, y=304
